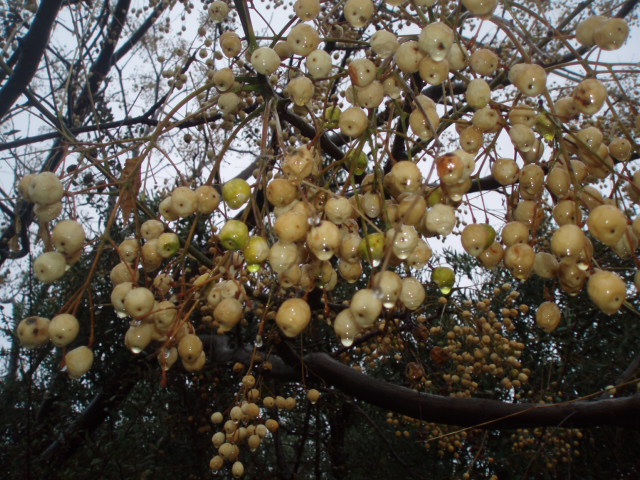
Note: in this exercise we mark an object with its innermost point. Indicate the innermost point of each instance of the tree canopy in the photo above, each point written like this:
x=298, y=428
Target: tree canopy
x=320, y=239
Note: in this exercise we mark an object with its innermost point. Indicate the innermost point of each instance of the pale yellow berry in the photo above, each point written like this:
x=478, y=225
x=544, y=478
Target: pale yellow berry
x=607, y=223
x=458, y=57
x=358, y=12
x=190, y=348
x=567, y=212
x=46, y=213
x=530, y=79
x=478, y=93
x=303, y=39
x=353, y=122
x=324, y=240
x=440, y=219
x=607, y=290
x=590, y=95
x=78, y=361
x=218, y=11
x=151, y=229
x=587, y=27
x=568, y=242
x=33, y=332
x=68, y=237
x=362, y=72
x=505, y=171
x=531, y=179
x=293, y=316
x=300, y=90
x=515, y=232
x=139, y=302
x=433, y=72
x=164, y=315
x=151, y=258
x=23, y=186
x=319, y=64
x=484, y=61
x=370, y=96
x=165, y=208
x=137, y=338
x=481, y=8
x=387, y=286
x=413, y=294
x=346, y=327
x=208, y=199
x=384, y=43
x=436, y=40
x=230, y=44
x=366, y=307
x=228, y=313
x=228, y=103
x=545, y=265
x=611, y=34
x=408, y=57
x=307, y=9
x=487, y=119
x=523, y=115
x=45, y=188
x=223, y=79
x=548, y=316
x=49, y=267
x=265, y=60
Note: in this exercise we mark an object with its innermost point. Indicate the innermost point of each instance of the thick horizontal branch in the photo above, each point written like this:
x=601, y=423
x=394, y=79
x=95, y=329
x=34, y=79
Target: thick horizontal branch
x=463, y=412
x=473, y=412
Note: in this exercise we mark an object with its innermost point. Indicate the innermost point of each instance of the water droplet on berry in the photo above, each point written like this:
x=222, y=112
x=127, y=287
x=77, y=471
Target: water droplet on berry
x=346, y=341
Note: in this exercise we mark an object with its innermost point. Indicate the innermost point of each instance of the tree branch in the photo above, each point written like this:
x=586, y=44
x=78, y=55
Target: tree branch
x=475, y=412
x=31, y=50
x=105, y=60
x=328, y=146
x=115, y=390
x=464, y=412
x=140, y=32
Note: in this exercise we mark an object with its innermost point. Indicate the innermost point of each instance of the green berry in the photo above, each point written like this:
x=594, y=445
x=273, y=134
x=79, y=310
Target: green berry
x=168, y=244
x=435, y=197
x=234, y=235
x=491, y=235
x=332, y=116
x=236, y=192
x=357, y=163
x=256, y=253
x=444, y=278
x=372, y=248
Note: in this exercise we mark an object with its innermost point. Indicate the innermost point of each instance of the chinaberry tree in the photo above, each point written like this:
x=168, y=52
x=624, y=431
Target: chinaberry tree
x=224, y=227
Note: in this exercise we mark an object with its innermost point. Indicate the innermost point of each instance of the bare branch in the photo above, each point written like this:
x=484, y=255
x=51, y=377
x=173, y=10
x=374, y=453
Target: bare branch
x=31, y=49
x=475, y=412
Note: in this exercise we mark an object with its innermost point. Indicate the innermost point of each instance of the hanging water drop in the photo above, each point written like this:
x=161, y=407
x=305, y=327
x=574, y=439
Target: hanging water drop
x=346, y=341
